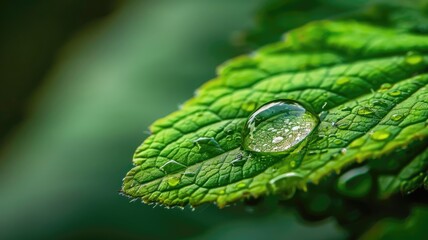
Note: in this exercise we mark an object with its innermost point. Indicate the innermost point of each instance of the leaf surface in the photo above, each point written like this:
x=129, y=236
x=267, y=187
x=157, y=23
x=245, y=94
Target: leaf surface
x=367, y=83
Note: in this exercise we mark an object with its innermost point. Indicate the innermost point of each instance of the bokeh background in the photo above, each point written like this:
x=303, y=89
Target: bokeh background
x=82, y=80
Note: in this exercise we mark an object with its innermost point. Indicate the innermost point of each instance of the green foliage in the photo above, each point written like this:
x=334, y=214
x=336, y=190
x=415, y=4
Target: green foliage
x=366, y=82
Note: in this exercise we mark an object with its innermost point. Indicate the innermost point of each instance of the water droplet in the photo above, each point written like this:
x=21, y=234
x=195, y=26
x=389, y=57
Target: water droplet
x=380, y=135
x=355, y=183
x=394, y=93
x=357, y=143
x=278, y=126
x=337, y=141
x=385, y=86
x=208, y=144
x=312, y=152
x=413, y=58
x=173, y=181
x=171, y=166
x=396, y=117
x=343, y=124
x=380, y=103
x=238, y=162
x=343, y=151
x=285, y=184
x=364, y=111
x=241, y=185
x=293, y=164
x=249, y=106
x=324, y=150
x=342, y=81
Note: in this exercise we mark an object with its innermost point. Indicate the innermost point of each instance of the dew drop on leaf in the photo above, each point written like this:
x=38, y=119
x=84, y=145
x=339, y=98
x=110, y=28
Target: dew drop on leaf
x=396, y=117
x=385, y=86
x=364, y=111
x=342, y=81
x=285, y=184
x=356, y=182
x=278, y=126
x=208, y=144
x=173, y=181
x=380, y=135
x=171, y=166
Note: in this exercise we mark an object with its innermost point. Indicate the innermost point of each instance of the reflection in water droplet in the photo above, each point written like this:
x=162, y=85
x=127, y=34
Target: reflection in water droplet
x=364, y=111
x=173, y=181
x=380, y=135
x=171, y=166
x=285, y=184
x=395, y=93
x=278, y=126
x=208, y=144
x=413, y=58
x=355, y=183
x=396, y=117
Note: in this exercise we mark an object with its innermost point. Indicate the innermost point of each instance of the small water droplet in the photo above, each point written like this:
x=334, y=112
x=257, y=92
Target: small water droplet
x=380, y=135
x=355, y=183
x=266, y=131
x=342, y=81
x=285, y=184
x=396, y=117
x=357, y=143
x=343, y=151
x=239, y=160
x=173, y=181
x=413, y=58
x=337, y=141
x=249, y=106
x=171, y=166
x=385, y=86
x=364, y=111
x=394, y=93
x=312, y=152
x=241, y=185
x=293, y=163
x=324, y=150
x=379, y=103
x=343, y=124
x=208, y=144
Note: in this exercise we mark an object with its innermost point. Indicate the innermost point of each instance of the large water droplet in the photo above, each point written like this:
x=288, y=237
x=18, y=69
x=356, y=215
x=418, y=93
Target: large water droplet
x=355, y=183
x=396, y=117
x=278, y=126
x=285, y=184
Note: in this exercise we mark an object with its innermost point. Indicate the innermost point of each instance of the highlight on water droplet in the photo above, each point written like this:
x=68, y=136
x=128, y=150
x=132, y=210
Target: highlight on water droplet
x=278, y=126
x=173, y=181
x=355, y=183
x=380, y=135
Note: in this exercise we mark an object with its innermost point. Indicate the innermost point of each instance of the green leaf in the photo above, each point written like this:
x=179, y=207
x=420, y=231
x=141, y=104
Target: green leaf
x=367, y=83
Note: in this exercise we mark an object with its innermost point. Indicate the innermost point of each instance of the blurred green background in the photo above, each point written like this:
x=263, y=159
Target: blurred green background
x=81, y=81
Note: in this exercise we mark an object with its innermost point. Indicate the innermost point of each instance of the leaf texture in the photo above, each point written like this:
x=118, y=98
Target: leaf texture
x=367, y=83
